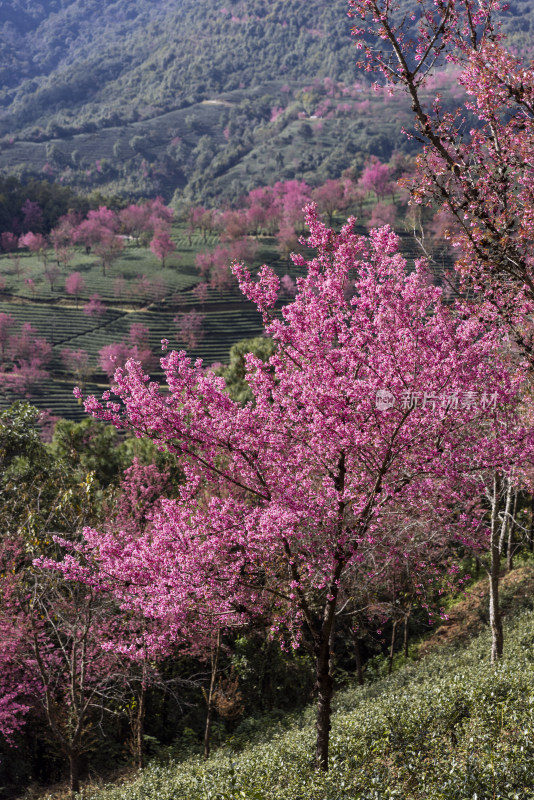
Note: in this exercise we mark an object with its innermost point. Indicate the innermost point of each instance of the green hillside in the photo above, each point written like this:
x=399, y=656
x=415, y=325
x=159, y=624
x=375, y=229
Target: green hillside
x=446, y=727
x=142, y=98
x=55, y=316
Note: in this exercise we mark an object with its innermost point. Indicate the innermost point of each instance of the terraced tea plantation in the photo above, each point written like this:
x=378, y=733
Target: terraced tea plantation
x=135, y=290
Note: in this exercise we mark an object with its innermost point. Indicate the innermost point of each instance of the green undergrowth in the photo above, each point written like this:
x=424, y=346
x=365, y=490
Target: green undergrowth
x=448, y=727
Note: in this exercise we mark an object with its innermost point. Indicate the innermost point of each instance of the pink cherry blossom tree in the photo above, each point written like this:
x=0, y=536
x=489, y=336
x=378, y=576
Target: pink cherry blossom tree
x=189, y=328
x=481, y=173
x=36, y=243
x=6, y=329
x=367, y=405
x=9, y=241
x=376, y=178
x=25, y=357
x=135, y=346
x=330, y=198
x=382, y=214
x=162, y=245
x=77, y=363
x=95, y=307
x=75, y=285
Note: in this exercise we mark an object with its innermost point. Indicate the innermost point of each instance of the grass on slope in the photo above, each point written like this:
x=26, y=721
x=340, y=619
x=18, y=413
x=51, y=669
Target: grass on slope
x=450, y=727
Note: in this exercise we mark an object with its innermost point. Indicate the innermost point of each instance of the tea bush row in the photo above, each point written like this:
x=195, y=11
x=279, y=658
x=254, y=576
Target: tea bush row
x=450, y=727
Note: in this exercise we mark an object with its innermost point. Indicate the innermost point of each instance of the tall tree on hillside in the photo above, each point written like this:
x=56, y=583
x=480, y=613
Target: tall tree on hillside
x=373, y=398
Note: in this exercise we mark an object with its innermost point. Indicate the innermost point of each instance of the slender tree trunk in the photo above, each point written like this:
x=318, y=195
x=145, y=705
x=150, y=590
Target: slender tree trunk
x=506, y=517
x=531, y=531
x=74, y=762
x=405, y=637
x=359, y=664
x=325, y=690
x=392, y=646
x=510, y=543
x=209, y=712
x=494, y=574
x=140, y=729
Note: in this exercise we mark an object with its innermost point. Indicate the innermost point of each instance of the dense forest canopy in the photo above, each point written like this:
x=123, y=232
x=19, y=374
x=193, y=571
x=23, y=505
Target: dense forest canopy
x=142, y=98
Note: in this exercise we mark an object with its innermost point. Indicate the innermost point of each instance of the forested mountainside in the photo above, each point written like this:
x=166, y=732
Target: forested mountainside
x=140, y=97
x=102, y=62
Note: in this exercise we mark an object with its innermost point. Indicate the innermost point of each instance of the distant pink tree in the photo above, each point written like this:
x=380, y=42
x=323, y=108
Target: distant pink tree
x=330, y=198
x=63, y=238
x=105, y=218
x=355, y=195
x=112, y=356
x=36, y=243
x=136, y=346
x=288, y=286
x=32, y=215
x=108, y=248
x=243, y=250
x=201, y=218
x=25, y=357
x=287, y=240
x=6, y=329
x=52, y=273
x=382, y=214
x=75, y=285
x=264, y=210
x=95, y=307
x=162, y=245
x=204, y=262
x=292, y=196
x=99, y=232
x=442, y=227
x=76, y=362
x=200, y=290
x=376, y=177
x=138, y=335
x=233, y=224
x=9, y=241
x=26, y=344
x=135, y=220
x=160, y=213
x=189, y=328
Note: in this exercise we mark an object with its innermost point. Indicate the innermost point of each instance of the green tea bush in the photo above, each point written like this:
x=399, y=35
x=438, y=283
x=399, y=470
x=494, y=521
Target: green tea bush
x=451, y=727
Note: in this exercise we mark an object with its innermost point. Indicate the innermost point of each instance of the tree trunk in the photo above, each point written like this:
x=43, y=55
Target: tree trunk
x=506, y=517
x=325, y=690
x=392, y=646
x=494, y=574
x=209, y=712
x=405, y=638
x=359, y=664
x=140, y=729
x=510, y=543
x=74, y=761
x=531, y=531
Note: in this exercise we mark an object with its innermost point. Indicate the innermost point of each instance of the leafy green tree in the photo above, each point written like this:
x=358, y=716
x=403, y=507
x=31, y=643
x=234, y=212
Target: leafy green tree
x=234, y=373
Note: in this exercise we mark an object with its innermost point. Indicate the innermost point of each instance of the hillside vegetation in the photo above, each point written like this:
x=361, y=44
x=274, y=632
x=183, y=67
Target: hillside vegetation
x=144, y=98
x=447, y=727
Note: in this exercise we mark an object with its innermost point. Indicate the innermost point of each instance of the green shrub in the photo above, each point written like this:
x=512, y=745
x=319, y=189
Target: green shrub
x=450, y=727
